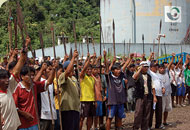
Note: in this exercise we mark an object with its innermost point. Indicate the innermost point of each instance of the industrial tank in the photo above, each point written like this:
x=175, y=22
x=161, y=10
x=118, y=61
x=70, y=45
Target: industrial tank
x=136, y=17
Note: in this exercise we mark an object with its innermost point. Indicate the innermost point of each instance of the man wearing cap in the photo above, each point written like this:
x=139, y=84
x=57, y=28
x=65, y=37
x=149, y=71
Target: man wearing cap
x=143, y=82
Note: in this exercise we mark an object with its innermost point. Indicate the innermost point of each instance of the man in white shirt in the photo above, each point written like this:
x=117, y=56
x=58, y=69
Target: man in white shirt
x=166, y=98
x=173, y=81
x=47, y=114
x=160, y=90
x=180, y=83
x=7, y=104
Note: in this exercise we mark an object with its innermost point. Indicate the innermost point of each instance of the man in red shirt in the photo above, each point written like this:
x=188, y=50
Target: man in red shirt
x=24, y=99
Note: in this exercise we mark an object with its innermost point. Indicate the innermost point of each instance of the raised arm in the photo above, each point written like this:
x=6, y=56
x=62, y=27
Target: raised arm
x=180, y=61
x=39, y=74
x=127, y=62
x=151, y=56
x=173, y=56
x=52, y=74
x=94, y=59
x=11, y=58
x=71, y=64
x=98, y=60
x=105, y=63
x=82, y=74
x=137, y=74
x=23, y=58
x=113, y=62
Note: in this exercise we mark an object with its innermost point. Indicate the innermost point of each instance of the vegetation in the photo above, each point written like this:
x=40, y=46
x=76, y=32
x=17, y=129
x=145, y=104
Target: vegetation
x=39, y=14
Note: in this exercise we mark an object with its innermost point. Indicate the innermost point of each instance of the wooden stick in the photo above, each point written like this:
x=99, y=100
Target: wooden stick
x=101, y=32
x=93, y=42
x=64, y=44
x=74, y=33
x=87, y=43
x=143, y=42
x=10, y=29
x=21, y=25
x=124, y=48
x=41, y=43
x=53, y=41
x=15, y=29
x=114, y=38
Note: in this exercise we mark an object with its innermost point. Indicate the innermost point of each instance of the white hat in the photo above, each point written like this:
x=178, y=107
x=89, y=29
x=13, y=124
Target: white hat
x=144, y=63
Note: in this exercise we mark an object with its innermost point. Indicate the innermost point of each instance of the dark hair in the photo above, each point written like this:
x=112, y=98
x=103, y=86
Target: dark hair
x=24, y=70
x=161, y=65
x=4, y=74
x=116, y=66
x=131, y=65
x=12, y=65
x=60, y=67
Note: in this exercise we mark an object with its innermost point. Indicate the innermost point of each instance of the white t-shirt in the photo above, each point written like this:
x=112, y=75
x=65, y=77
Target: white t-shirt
x=156, y=83
x=173, y=77
x=45, y=104
x=166, y=82
x=180, y=79
x=9, y=111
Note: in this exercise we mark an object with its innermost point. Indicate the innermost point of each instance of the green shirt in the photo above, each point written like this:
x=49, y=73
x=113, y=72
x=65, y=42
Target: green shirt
x=70, y=97
x=187, y=77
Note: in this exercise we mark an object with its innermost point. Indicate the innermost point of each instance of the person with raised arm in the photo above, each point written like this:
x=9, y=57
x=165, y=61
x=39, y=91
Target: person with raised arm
x=24, y=99
x=70, y=96
x=166, y=97
x=87, y=96
x=116, y=94
x=145, y=95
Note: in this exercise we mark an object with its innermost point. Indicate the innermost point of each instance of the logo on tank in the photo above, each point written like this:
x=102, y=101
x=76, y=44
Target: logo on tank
x=173, y=14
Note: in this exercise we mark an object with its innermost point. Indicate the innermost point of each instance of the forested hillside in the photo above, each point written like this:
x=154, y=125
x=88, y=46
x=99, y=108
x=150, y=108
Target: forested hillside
x=38, y=15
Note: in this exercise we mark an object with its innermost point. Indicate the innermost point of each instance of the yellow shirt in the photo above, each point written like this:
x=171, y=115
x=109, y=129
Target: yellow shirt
x=87, y=89
x=56, y=97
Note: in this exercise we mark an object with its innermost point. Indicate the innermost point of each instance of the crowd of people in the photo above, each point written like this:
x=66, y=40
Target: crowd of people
x=62, y=95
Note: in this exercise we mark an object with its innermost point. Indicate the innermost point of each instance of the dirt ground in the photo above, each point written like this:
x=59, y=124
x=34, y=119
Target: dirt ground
x=179, y=118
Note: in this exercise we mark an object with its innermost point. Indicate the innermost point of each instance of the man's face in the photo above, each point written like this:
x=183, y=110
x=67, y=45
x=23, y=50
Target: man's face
x=4, y=82
x=154, y=69
x=103, y=70
x=48, y=70
x=95, y=71
x=59, y=72
x=5, y=60
x=172, y=66
x=144, y=69
x=188, y=67
x=138, y=61
x=117, y=72
x=161, y=70
x=132, y=69
x=26, y=78
x=89, y=71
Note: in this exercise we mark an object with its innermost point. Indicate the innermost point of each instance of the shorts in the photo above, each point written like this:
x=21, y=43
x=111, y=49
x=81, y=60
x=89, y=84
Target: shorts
x=35, y=127
x=174, y=90
x=88, y=109
x=181, y=89
x=116, y=110
x=99, y=111
x=166, y=103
